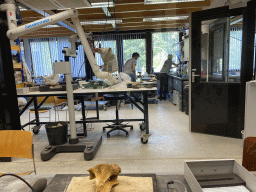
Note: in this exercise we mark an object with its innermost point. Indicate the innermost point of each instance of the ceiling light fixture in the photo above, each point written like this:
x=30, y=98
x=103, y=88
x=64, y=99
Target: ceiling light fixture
x=51, y=26
x=22, y=8
x=165, y=18
x=100, y=22
x=102, y=4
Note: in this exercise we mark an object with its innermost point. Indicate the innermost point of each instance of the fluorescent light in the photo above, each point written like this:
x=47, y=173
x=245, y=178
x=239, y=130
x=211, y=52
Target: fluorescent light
x=51, y=26
x=102, y=22
x=167, y=1
x=22, y=8
x=102, y=4
x=165, y=18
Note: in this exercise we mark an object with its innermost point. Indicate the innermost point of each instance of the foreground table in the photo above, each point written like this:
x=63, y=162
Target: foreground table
x=59, y=182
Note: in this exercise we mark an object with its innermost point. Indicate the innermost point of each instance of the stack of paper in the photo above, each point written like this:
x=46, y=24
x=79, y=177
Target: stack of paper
x=227, y=189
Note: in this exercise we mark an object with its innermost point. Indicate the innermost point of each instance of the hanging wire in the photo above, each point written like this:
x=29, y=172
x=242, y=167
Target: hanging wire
x=103, y=28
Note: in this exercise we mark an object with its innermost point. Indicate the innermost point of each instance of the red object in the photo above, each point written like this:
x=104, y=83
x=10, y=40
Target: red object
x=96, y=49
x=10, y=13
x=202, y=73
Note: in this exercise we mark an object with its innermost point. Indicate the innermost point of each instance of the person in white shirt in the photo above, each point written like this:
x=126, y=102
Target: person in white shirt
x=168, y=64
x=129, y=67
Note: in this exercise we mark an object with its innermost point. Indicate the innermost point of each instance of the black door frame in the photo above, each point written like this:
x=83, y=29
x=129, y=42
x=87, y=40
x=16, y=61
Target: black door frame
x=247, y=52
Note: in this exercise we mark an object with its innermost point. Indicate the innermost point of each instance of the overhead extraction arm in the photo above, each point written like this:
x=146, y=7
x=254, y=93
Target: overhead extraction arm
x=14, y=32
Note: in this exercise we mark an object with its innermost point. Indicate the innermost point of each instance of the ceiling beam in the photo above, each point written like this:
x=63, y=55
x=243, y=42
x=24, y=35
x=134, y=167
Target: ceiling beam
x=129, y=2
x=163, y=6
x=157, y=13
x=130, y=15
x=183, y=21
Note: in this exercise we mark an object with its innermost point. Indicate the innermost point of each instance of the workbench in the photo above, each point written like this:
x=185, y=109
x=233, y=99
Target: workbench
x=80, y=93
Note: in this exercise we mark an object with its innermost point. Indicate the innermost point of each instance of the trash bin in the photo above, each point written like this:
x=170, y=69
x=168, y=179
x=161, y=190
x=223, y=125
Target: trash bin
x=57, y=132
x=186, y=90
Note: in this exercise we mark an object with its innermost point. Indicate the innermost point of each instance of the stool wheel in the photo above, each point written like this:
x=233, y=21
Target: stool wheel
x=131, y=128
x=127, y=134
x=108, y=135
x=104, y=129
x=35, y=129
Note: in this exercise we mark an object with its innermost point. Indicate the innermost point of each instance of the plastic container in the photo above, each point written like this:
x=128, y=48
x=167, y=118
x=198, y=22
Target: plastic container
x=57, y=135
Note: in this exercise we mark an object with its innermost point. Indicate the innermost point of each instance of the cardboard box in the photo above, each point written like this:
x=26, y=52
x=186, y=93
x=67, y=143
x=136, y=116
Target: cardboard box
x=204, y=168
x=23, y=90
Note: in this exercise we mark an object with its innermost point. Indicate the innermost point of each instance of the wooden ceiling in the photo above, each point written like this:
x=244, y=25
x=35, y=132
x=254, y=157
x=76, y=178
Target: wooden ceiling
x=131, y=12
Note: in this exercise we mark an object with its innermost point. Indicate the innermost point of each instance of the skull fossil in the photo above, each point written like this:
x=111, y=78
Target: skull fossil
x=105, y=176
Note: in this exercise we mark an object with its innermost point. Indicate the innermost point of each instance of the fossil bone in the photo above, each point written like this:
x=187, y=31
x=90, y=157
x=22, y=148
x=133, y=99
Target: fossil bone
x=105, y=176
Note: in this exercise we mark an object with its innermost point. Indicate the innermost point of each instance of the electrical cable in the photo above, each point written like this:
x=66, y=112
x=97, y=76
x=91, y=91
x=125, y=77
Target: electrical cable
x=10, y=174
x=103, y=28
x=115, y=13
x=116, y=30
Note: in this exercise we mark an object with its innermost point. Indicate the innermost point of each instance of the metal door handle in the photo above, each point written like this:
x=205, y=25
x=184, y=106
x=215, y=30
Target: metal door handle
x=193, y=76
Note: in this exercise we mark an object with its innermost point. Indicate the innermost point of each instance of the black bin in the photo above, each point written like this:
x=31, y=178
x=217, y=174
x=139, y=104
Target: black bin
x=57, y=135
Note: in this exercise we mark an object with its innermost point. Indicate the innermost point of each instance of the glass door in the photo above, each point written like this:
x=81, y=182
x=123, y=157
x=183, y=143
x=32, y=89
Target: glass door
x=220, y=64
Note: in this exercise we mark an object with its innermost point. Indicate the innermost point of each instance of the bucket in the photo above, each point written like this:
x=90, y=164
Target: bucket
x=57, y=132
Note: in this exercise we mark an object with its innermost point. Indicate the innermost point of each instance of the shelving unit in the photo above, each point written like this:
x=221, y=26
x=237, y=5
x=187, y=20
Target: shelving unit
x=17, y=65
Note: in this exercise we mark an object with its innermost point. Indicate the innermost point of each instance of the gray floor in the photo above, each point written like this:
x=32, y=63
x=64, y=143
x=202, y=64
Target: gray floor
x=170, y=144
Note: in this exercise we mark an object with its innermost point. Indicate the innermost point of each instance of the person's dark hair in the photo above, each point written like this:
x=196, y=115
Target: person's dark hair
x=135, y=54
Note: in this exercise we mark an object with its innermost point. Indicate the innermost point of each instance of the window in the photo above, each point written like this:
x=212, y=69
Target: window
x=45, y=51
x=135, y=45
x=164, y=44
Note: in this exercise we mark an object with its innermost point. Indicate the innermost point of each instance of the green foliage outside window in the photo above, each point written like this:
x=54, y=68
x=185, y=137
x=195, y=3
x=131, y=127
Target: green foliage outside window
x=135, y=45
x=164, y=44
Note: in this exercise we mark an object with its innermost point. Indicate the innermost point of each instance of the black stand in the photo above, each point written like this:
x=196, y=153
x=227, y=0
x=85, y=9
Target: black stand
x=88, y=146
x=117, y=124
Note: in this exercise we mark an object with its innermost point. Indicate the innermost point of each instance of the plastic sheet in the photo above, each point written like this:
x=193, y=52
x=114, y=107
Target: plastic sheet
x=109, y=59
x=22, y=101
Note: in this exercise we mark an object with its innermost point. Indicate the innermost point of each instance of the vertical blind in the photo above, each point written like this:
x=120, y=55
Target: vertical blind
x=235, y=48
x=45, y=51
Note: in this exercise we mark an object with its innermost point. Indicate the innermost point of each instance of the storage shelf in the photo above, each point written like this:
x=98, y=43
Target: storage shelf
x=20, y=85
x=15, y=48
x=17, y=66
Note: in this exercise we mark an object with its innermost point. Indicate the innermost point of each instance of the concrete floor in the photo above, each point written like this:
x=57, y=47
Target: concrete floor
x=170, y=144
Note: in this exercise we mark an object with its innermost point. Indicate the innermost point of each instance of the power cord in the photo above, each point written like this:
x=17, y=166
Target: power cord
x=173, y=182
x=10, y=174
